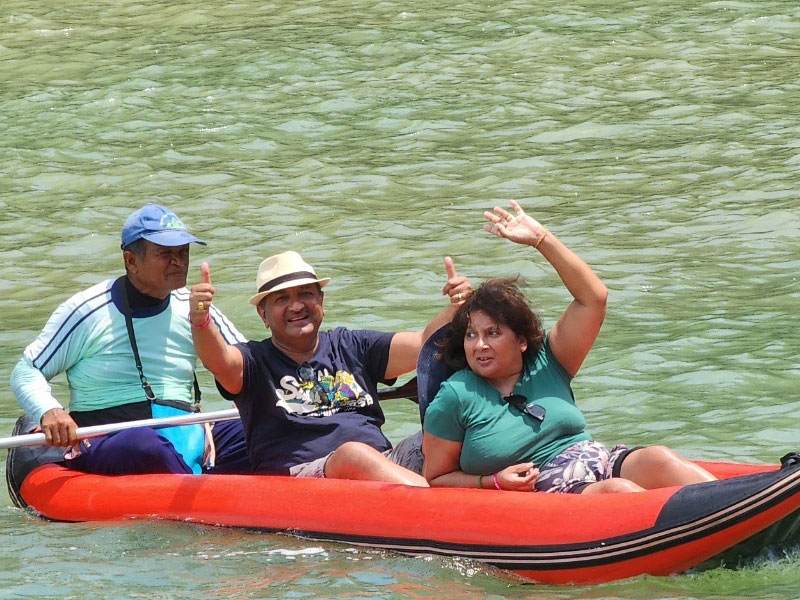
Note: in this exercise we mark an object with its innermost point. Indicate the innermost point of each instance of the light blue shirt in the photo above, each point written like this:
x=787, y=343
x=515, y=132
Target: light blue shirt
x=87, y=339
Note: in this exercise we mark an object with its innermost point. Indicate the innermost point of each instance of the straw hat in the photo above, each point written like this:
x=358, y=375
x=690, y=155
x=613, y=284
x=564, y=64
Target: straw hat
x=283, y=271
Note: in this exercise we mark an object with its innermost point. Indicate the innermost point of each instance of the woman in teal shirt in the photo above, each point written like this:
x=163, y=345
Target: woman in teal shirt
x=510, y=409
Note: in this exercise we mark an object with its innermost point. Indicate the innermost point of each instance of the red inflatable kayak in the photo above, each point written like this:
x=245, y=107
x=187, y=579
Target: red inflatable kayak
x=542, y=537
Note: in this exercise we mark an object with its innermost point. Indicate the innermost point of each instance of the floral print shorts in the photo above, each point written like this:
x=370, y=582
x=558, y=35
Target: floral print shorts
x=579, y=465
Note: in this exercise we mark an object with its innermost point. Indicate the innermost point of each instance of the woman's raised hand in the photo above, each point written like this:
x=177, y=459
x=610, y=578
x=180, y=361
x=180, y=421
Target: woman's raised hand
x=519, y=228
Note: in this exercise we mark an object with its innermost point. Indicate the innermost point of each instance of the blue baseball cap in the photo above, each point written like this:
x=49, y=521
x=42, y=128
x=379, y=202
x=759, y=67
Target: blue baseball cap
x=156, y=224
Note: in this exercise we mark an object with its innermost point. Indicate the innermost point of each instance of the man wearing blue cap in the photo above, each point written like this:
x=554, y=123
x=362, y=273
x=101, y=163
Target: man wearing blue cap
x=126, y=347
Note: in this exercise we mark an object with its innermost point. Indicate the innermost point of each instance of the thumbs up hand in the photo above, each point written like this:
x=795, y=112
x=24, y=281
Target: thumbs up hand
x=457, y=287
x=200, y=299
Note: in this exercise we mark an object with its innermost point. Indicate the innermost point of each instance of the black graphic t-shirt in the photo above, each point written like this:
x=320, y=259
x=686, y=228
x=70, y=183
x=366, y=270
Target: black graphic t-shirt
x=294, y=414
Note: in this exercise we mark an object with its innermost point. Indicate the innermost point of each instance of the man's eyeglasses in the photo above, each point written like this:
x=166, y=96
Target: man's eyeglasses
x=521, y=403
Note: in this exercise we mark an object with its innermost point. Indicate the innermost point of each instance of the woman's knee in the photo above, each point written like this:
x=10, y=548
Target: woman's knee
x=657, y=457
x=616, y=485
x=659, y=466
x=661, y=452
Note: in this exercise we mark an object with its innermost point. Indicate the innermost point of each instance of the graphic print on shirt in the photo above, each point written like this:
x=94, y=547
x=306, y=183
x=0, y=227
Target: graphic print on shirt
x=322, y=395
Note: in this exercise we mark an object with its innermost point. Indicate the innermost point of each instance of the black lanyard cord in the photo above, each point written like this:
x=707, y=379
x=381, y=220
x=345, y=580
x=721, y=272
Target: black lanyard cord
x=148, y=390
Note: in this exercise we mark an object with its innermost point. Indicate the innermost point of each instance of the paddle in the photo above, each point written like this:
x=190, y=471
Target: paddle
x=37, y=439
x=407, y=390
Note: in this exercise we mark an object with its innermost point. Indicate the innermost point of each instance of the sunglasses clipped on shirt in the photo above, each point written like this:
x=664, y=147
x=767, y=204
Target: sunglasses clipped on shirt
x=308, y=375
x=521, y=403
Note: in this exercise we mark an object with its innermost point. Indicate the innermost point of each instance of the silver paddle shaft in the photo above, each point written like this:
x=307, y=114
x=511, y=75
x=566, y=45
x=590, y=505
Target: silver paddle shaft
x=37, y=439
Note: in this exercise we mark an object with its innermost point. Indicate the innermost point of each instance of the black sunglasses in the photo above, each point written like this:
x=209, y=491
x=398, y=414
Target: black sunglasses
x=308, y=374
x=521, y=403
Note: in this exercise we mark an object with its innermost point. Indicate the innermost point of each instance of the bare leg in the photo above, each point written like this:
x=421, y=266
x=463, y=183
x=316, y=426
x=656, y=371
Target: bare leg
x=658, y=466
x=612, y=486
x=354, y=460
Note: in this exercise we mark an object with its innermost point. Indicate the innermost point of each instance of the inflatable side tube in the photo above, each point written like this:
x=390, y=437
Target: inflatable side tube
x=21, y=461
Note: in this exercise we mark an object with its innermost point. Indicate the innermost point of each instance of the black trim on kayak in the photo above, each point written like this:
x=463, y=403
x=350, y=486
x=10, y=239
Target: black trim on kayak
x=21, y=461
x=768, y=489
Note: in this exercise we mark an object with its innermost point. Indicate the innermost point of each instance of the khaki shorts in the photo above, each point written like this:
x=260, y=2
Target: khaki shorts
x=408, y=454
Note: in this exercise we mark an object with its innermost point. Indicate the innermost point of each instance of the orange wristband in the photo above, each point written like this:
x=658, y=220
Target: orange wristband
x=204, y=324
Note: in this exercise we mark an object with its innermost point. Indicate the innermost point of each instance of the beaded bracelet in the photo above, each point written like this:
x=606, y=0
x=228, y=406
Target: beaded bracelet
x=496, y=483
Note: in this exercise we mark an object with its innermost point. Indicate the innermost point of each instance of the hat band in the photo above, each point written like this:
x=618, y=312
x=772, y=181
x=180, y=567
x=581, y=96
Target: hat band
x=284, y=278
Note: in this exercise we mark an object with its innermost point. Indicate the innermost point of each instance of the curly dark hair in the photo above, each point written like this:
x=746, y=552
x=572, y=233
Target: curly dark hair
x=501, y=299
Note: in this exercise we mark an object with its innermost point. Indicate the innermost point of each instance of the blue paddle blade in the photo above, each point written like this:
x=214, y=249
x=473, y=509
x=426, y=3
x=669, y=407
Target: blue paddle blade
x=431, y=370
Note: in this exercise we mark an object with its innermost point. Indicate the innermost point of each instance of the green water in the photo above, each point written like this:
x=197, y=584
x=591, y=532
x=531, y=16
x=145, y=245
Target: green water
x=659, y=140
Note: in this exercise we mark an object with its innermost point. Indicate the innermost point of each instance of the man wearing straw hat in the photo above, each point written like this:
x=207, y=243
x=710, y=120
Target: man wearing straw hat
x=308, y=398
x=126, y=347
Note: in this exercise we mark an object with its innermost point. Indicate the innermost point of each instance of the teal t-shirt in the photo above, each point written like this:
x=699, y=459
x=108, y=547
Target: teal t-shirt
x=494, y=435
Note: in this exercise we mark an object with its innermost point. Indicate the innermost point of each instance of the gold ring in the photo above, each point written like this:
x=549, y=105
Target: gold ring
x=459, y=296
x=201, y=306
